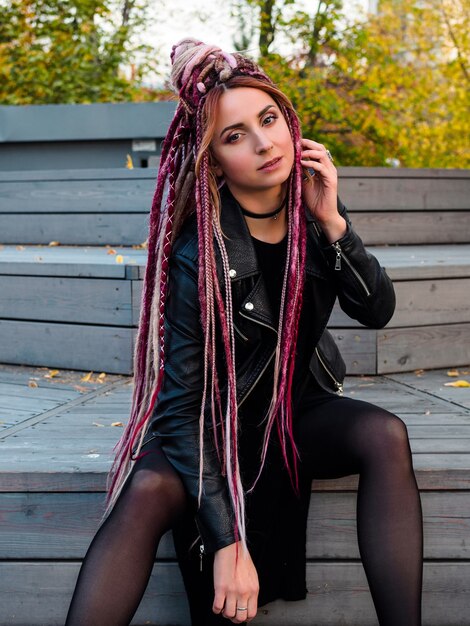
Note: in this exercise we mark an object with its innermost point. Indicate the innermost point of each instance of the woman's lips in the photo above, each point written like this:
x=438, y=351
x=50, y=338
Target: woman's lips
x=270, y=165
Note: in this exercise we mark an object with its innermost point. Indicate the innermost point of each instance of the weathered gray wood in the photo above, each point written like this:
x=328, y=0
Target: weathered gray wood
x=421, y=303
x=358, y=349
x=38, y=594
x=73, y=346
x=69, y=261
x=93, y=229
x=406, y=349
x=424, y=262
x=88, y=195
x=81, y=300
x=434, y=381
x=62, y=525
x=396, y=227
x=372, y=189
x=98, y=173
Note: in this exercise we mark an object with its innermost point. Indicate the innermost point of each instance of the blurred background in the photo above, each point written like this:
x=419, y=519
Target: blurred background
x=381, y=82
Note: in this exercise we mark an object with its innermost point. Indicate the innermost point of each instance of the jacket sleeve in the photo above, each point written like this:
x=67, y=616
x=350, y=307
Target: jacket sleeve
x=365, y=292
x=176, y=415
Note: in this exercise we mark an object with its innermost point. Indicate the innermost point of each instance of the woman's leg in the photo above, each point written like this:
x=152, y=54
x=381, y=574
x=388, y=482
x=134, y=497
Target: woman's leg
x=119, y=561
x=342, y=436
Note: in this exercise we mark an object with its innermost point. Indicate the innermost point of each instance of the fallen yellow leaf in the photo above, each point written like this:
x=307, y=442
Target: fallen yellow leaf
x=97, y=424
x=419, y=372
x=54, y=243
x=32, y=383
x=111, y=251
x=458, y=383
x=87, y=377
x=100, y=378
x=51, y=374
x=119, y=258
x=117, y=424
x=453, y=373
x=129, y=164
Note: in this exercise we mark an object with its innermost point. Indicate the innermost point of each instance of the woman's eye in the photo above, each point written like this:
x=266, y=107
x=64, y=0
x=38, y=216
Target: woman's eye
x=233, y=137
x=271, y=116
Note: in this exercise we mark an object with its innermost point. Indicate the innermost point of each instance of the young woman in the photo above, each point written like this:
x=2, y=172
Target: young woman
x=237, y=399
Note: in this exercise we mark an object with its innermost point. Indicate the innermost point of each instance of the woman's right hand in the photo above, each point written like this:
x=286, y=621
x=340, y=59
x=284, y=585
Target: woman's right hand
x=236, y=584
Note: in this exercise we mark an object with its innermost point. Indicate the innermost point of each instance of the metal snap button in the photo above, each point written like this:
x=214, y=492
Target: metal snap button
x=249, y=306
x=232, y=273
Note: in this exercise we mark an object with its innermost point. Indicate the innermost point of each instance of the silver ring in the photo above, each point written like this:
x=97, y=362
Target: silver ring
x=328, y=154
x=242, y=608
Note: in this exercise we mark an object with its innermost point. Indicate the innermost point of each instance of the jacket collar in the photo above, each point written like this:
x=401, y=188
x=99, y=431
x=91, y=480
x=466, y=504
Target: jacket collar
x=237, y=238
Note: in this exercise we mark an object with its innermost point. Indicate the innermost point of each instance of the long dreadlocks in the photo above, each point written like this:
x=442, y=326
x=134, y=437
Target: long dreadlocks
x=187, y=183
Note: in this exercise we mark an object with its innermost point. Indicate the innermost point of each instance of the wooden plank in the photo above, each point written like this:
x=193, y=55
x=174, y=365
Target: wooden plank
x=434, y=383
x=395, y=227
x=72, y=346
x=358, y=349
x=36, y=594
x=62, y=525
x=136, y=287
x=95, y=229
x=112, y=195
x=406, y=349
x=424, y=262
x=80, y=261
x=421, y=303
x=372, y=189
x=80, y=300
x=96, y=173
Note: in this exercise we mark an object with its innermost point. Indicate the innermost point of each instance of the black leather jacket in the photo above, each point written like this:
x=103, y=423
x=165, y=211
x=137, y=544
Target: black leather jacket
x=344, y=270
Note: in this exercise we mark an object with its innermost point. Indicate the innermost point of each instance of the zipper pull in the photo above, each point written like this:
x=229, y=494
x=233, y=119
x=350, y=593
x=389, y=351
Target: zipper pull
x=337, y=247
x=201, y=554
x=339, y=389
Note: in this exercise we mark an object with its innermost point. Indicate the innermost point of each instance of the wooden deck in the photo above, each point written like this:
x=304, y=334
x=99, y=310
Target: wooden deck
x=56, y=440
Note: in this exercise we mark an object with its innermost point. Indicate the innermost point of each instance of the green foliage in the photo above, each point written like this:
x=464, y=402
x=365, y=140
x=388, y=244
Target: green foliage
x=394, y=86
x=69, y=51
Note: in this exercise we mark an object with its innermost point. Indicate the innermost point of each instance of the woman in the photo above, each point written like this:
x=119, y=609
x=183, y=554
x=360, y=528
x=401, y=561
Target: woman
x=237, y=399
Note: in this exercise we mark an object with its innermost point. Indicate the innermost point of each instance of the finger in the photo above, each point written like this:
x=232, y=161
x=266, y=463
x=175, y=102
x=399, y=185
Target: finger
x=219, y=601
x=252, y=608
x=314, y=154
x=230, y=608
x=311, y=143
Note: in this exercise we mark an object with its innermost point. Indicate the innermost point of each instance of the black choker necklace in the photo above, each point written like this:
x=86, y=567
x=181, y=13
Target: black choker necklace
x=261, y=216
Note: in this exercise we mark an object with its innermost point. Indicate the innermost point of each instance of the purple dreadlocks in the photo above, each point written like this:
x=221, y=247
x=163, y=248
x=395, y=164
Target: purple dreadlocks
x=186, y=183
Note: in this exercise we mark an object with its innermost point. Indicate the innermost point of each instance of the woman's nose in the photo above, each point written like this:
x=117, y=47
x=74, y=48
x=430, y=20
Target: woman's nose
x=263, y=143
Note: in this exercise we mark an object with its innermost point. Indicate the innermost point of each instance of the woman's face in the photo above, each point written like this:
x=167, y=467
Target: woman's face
x=250, y=133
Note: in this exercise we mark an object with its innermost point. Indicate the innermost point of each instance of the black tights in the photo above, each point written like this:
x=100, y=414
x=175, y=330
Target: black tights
x=337, y=437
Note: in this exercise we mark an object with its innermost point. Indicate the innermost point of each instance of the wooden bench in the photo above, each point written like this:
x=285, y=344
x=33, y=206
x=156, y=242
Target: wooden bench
x=73, y=306
x=56, y=441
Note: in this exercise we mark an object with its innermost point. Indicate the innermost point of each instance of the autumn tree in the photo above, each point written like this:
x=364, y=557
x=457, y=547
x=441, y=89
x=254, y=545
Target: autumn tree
x=389, y=86
x=69, y=51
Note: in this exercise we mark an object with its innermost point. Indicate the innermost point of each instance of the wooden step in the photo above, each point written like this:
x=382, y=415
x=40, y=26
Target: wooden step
x=56, y=448
x=111, y=206
x=75, y=307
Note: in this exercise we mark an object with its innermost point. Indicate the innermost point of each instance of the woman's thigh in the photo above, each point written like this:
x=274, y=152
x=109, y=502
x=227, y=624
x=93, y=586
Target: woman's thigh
x=338, y=436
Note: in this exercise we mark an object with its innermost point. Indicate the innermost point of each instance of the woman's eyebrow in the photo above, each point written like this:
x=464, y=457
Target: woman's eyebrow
x=260, y=114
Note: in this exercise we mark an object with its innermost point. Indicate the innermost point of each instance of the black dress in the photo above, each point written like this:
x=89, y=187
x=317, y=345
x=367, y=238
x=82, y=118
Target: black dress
x=276, y=518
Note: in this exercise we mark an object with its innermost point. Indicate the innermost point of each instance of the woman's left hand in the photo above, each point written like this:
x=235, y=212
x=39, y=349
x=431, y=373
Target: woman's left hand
x=320, y=193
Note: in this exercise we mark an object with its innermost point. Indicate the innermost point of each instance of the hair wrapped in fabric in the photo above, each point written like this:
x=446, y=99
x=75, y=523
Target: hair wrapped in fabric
x=186, y=183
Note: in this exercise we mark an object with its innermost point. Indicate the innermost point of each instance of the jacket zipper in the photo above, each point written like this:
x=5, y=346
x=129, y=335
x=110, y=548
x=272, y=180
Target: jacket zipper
x=267, y=362
x=338, y=385
x=340, y=254
x=201, y=556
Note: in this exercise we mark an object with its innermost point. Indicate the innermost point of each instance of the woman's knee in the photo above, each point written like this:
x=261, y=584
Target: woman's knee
x=387, y=436
x=157, y=488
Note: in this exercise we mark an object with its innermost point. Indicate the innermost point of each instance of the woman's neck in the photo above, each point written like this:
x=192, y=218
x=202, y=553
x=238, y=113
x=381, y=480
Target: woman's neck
x=269, y=229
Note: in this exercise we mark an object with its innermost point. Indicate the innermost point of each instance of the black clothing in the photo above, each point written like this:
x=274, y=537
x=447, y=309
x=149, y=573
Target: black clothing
x=345, y=270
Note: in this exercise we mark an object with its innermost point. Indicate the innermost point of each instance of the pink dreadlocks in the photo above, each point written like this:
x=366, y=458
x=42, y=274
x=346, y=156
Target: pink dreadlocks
x=186, y=183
